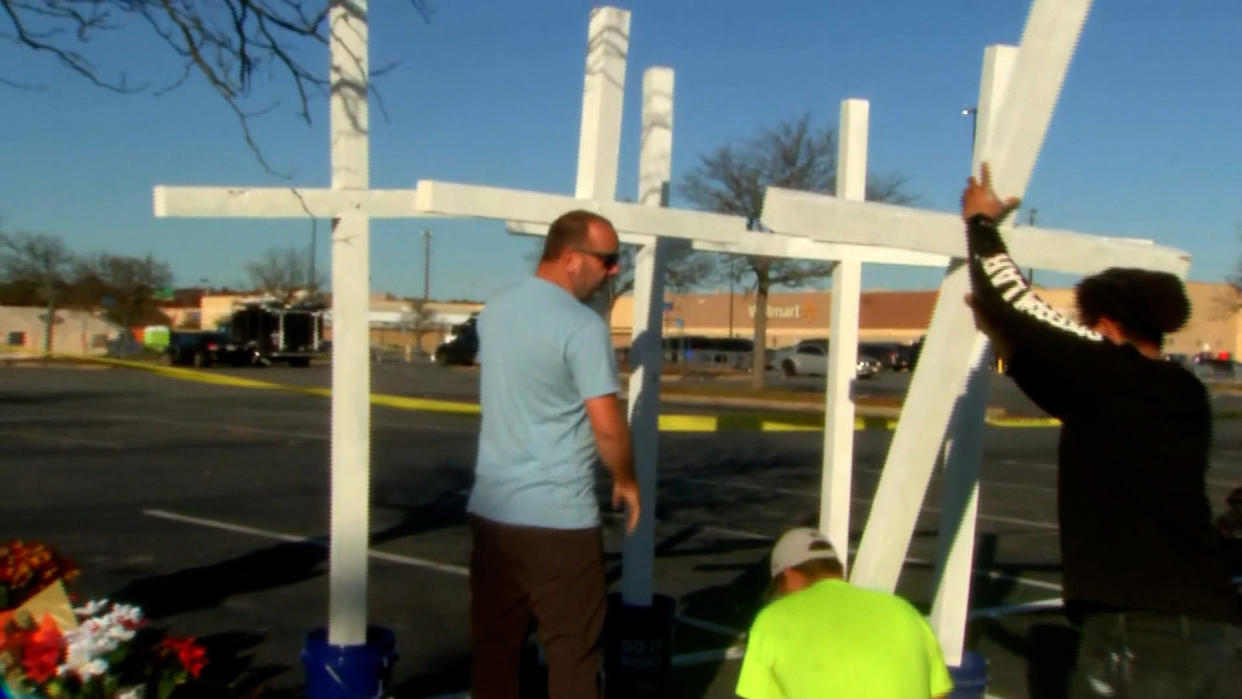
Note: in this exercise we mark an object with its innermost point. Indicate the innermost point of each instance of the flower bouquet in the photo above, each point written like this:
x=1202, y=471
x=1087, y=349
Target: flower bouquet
x=32, y=580
x=101, y=650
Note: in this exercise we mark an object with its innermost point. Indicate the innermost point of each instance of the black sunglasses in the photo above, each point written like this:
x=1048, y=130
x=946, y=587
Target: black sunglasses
x=608, y=259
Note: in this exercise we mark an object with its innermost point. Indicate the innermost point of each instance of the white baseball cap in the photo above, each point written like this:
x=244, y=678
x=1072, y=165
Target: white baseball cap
x=799, y=545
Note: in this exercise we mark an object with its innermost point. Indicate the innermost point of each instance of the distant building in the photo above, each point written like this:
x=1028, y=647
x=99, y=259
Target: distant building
x=1215, y=324
x=23, y=331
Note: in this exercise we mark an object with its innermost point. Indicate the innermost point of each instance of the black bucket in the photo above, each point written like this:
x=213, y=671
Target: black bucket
x=349, y=672
x=638, y=647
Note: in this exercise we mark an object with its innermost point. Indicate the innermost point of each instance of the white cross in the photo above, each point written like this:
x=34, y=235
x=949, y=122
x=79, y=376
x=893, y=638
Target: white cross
x=1017, y=97
x=351, y=205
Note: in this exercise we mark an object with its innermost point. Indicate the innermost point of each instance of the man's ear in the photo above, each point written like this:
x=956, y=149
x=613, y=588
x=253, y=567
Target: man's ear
x=1110, y=329
x=792, y=580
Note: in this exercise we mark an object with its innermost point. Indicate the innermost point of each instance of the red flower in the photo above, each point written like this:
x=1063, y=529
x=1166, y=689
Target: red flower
x=190, y=654
x=42, y=654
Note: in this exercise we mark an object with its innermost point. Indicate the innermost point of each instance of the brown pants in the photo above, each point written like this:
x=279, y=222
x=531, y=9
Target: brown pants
x=554, y=575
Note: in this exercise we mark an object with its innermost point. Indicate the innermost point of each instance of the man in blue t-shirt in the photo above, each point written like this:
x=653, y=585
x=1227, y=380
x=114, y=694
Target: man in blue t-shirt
x=549, y=388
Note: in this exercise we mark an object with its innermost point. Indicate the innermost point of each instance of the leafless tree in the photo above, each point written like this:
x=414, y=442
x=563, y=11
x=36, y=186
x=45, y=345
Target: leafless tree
x=1231, y=300
x=684, y=270
x=35, y=268
x=732, y=179
x=125, y=287
x=280, y=273
x=232, y=44
x=418, y=321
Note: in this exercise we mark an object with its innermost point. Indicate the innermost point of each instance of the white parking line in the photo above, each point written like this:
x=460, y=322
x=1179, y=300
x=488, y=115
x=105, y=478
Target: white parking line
x=738, y=533
x=709, y=626
x=1009, y=609
x=1034, y=464
x=709, y=656
x=280, y=536
x=62, y=440
x=803, y=493
x=991, y=574
x=985, y=484
x=1029, y=582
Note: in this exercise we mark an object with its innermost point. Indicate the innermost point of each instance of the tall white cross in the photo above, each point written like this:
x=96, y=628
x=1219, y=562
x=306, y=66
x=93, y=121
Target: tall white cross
x=351, y=205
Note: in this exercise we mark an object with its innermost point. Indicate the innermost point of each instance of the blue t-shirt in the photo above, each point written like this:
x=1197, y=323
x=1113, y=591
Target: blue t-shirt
x=542, y=353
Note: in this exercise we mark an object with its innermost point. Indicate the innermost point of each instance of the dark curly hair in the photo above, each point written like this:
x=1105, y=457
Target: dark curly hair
x=1145, y=303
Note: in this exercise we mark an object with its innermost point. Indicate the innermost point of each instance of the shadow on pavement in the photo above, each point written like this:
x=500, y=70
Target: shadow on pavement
x=206, y=587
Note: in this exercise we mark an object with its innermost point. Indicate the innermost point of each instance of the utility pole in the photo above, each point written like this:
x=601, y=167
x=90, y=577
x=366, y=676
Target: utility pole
x=732, y=274
x=310, y=279
x=426, y=265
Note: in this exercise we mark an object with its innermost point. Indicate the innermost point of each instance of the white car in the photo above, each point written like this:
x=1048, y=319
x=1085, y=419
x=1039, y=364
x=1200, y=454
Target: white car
x=810, y=358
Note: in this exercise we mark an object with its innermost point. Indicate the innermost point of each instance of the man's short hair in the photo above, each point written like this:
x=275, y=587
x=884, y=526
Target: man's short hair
x=817, y=568
x=569, y=230
x=1147, y=304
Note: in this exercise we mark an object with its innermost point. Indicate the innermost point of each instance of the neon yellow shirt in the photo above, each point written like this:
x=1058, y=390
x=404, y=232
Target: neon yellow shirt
x=836, y=640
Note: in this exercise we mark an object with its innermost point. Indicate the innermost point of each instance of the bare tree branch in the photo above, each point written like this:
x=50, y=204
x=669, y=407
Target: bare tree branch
x=228, y=42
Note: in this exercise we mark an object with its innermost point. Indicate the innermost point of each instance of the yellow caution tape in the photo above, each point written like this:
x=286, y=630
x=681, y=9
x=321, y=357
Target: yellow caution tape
x=726, y=422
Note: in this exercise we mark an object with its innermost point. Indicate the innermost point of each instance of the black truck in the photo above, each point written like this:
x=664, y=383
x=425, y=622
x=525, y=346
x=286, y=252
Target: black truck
x=200, y=348
x=257, y=334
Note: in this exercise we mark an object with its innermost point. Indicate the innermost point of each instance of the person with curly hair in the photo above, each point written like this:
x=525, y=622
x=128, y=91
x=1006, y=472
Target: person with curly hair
x=1143, y=571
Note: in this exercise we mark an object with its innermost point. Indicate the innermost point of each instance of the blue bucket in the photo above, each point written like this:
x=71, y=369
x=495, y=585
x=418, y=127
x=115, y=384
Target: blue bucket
x=349, y=672
x=970, y=679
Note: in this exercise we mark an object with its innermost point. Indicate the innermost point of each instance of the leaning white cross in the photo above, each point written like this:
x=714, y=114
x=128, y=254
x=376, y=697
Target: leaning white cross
x=1017, y=98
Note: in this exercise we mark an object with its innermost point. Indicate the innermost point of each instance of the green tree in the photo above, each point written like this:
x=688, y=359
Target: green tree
x=793, y=154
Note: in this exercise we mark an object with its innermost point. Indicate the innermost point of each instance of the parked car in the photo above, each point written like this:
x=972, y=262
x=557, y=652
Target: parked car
x=462, y=345
x=810, y=358
x=894, y=356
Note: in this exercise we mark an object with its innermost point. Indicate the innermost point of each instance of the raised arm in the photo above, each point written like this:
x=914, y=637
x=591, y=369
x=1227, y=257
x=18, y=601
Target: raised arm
x=1023, y=328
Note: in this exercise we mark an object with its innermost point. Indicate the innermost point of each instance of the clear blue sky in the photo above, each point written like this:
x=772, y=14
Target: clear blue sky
x=1145, y=142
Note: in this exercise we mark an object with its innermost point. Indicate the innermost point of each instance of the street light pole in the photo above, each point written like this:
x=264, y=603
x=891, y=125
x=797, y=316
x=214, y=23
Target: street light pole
x=973, y=113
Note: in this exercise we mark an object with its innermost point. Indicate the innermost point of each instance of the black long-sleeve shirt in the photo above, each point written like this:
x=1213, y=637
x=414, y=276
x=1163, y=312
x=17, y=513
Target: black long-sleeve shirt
x=1136, y=529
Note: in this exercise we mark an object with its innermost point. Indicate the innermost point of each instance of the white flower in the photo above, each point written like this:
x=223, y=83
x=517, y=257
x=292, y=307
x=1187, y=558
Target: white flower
x=126, y=613
x=132, y=693
x=84, y=668
x=91, y=608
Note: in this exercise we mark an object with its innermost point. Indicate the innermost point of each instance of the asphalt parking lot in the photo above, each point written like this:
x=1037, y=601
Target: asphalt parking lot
x=208, y=506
